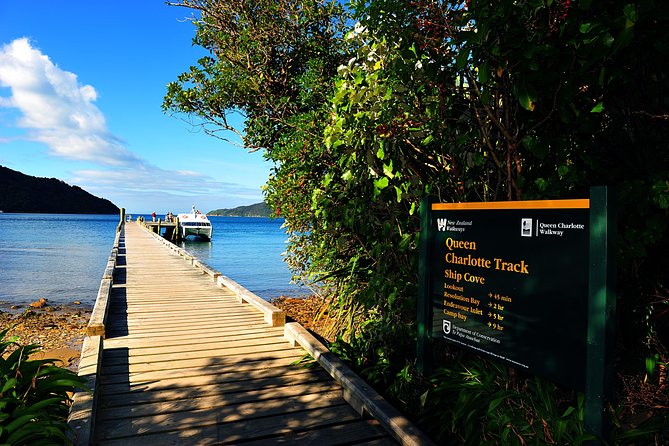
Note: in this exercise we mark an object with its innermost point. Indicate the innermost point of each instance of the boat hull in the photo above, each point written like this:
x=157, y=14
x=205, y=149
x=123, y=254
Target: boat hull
x=203, y=233
x=195, y=224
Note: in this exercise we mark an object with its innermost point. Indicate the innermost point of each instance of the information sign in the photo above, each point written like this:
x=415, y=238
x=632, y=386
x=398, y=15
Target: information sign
x=509, y=280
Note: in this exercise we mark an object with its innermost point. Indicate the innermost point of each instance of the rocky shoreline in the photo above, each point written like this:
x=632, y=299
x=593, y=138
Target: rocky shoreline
x=59, y=330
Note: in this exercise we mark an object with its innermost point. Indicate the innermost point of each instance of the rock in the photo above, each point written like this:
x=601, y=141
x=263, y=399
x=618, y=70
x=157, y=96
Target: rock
x=76, y=302
x=41, y=303
x=15, y=307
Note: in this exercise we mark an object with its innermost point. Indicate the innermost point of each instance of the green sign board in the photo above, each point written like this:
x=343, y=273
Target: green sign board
x=509, y=280
x=528, y=283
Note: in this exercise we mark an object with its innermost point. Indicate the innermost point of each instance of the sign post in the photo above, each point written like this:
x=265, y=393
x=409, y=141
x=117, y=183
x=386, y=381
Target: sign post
x=424, y=345
x=601, y=312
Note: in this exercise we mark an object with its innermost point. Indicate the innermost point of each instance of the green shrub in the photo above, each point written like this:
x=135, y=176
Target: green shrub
x=480, y=402
x=477, y=402
x=34, y=396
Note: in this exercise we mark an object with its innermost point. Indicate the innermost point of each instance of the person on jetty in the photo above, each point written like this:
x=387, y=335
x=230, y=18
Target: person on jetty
x=153, y=216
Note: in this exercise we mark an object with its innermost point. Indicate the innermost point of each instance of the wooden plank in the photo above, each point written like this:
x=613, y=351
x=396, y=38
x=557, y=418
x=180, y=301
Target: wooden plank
x=122, y=425
x=214, y=314
x=193, y=332
x=84, y=403
x=193, y=349
x=273, y=316
x=244, y=430
x=314, y=391
x=221, y=320
x=189, y=355
x=201, y=334
x=271, y=377
x=125, y=399
x=155, y=344
x=203, y=315
x=359, y=432
x=172, y=297
x=176, y=376
x=202, y=364
x=125, y=366
x=148, y=324
x=207, y=269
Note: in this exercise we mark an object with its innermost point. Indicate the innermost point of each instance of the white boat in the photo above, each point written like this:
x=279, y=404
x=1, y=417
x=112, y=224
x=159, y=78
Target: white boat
x=196, y=224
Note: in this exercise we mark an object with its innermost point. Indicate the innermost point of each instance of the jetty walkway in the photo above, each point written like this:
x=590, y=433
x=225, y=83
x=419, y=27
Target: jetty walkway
x=177, y=354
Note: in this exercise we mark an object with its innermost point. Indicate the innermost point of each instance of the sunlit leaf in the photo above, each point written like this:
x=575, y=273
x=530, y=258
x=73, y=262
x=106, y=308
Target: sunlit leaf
x=597, y=108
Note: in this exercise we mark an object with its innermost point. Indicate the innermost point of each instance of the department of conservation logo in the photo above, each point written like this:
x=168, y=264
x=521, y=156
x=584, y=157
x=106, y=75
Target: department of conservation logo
x=447, y=327
x=526, y=227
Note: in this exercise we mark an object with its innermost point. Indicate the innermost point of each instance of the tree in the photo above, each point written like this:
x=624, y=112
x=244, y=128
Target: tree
x=267, y=60
x=273, y=63
x=467, y=101
x=484, y=101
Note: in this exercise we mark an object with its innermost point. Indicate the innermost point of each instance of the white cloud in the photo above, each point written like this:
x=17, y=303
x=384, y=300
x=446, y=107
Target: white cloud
x=149, y=177
x=163, y=189
x=56, y=109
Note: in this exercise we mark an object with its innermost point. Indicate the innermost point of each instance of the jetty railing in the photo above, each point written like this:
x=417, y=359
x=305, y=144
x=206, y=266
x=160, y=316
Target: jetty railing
x=172, y=228
x=82, y=412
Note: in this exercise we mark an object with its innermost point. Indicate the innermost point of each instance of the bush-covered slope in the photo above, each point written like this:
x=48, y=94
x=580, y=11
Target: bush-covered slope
x=24, y=193
x=254, y=210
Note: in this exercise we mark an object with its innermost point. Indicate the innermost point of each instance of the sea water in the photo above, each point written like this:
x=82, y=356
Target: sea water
x=249, y=250
x=62, y=257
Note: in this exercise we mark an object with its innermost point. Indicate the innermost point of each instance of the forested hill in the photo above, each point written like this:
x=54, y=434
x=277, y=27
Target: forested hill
x=254, y=210
x=24, y=193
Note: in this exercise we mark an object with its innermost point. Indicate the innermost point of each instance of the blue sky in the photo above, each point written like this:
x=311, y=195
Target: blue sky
x=81, y=86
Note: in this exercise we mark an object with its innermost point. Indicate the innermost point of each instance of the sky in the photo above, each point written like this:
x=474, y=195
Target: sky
x=81, y=88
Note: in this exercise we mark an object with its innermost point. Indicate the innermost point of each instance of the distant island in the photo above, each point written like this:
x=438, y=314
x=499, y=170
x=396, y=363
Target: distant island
x=254, y=210
x=25, y=193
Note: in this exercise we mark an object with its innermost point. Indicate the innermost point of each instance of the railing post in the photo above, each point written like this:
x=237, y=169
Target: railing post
x=121, y=221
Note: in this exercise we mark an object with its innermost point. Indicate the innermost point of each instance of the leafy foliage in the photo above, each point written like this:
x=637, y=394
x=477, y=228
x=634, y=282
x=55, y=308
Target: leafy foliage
x=34, y=400
x=467, y=101
x=482, y=409
x=272, y=62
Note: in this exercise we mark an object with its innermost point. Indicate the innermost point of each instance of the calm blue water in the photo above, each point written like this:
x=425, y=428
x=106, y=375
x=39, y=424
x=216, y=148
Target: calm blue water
x=62, y=257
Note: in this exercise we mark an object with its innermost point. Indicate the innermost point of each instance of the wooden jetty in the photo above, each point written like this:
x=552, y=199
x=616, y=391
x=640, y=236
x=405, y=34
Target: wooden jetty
x=177, y=354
